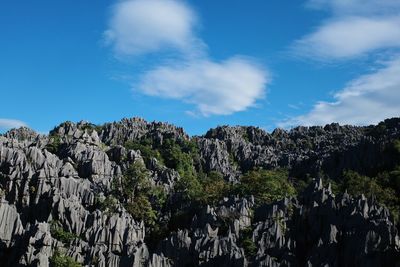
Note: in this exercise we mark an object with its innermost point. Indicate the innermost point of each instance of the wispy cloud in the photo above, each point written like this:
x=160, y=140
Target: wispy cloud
x=365, y=100
x=6, y=124
x=215, y=88
x=145, y=26
x=140, y=27
x=349, y=37
x=354, y=29
x=356, y=7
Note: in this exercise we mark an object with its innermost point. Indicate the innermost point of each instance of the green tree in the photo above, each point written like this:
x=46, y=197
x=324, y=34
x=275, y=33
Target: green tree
x=135, y=181
x=214, y=188
x=140, y=208
x=146, y=149
x=247, y=243
x=142, y=199
x=60, y=260
x=189, y=187
x=60, y=234
x=178, y=156
x=266, y=185
x=54, y=143
x=379, y=187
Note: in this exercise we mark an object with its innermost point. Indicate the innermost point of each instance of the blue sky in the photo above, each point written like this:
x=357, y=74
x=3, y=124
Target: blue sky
x=199, y=64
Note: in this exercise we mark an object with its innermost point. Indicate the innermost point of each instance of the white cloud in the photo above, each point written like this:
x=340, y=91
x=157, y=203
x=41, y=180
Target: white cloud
x=215, y=88
x=10, y=123
x=355, y=28
x=143, y=26
x=350, y=37
x=357, y=7
x=366, y=100
x=139, y=27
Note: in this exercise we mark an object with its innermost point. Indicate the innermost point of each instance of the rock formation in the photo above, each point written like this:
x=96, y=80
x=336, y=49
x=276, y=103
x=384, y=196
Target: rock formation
x=51, y=187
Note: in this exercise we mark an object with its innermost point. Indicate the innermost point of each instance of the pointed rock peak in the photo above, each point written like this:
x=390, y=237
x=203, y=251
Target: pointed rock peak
x=329, y=188
x=21, y=134
x=320, y=184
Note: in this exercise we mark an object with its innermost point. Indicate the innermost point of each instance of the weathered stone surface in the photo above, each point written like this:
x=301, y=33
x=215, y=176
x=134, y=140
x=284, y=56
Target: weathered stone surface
x=59, y=180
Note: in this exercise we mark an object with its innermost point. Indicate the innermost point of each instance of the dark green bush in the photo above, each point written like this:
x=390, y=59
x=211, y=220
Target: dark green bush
x=54, y=144
x=189, y=187
x=90, y=127
x=146, y=149
x=179, y=156
x=108, y=204
x=135, y=181
x=61, y=260
x=265, y=185
x=140, y=208
x=378, y=187
x=141, y=199
x=60, y=234
x=214, y=188
x=247, y=243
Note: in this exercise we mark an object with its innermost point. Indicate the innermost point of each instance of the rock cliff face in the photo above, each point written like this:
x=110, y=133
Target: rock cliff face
x=51, y=187
x=304, y=150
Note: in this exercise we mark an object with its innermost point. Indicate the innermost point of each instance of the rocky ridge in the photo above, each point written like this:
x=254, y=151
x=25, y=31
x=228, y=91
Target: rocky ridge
x=50, y=187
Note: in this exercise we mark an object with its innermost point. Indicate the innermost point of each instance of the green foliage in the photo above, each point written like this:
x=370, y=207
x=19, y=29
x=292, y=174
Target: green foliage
x=61, y=260
x=54, y=143
x=146, y=149
x=141, y=198
x=60, y=234
x=396, y=145
x=265, y=185
x=108, y=204
x=158, y=196
x=233, y=161
x=334, y=186
x=378, y=187
x=214, y=188
x=176, y=154
x=189, y=187
x=179, y=156
x=156, y=233
x=394, y=178
x=245, y=136
x=203, y=189
x=90, y=127
x=377, y=130
x=181, y=219
x=135, y=181
x=247, y=243
x=140, y=208
x=357, y=184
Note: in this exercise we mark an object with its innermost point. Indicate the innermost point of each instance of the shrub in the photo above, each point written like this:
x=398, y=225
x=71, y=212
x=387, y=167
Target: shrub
x=357, y=184
x=108, y=204
x=141, y=198
x=179, y=156
x=379, y=187
x=54, y=143
x=61, y=260
x=60, y=234
x=247, y=243
x=146, y=149
x=135, y=181
x=158, y=196
x=90, y=127
x=141, y=209
x=189, y=187
x=265, y=185
x=214, y=188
